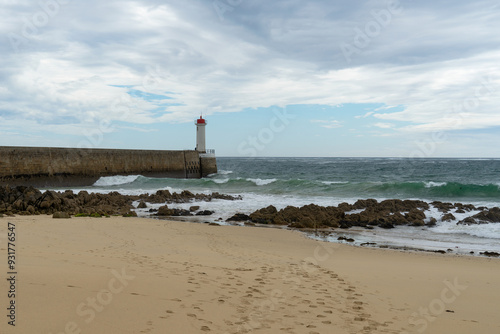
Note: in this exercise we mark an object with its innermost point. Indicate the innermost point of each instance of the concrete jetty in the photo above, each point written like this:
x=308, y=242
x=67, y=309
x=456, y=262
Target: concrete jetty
x=50, y=166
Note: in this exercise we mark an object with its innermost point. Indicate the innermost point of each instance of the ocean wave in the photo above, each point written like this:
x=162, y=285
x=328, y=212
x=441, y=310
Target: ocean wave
x=428, y=190
x=225, y=172
x=106, y=181
x=434, y=184
x=261, y=182
x=220, y=181
x=329, y=183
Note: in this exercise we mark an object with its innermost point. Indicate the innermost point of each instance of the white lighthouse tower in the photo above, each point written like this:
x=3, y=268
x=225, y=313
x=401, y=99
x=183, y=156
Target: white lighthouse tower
x=200, y=134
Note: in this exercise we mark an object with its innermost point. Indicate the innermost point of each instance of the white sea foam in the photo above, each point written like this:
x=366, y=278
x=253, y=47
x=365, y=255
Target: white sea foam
x=334, y=182
x=353, y=212
x=434, y=184
x=220, y=181
x=115, y=180
x=261, y=182
x=491, y=231
x=224, y=172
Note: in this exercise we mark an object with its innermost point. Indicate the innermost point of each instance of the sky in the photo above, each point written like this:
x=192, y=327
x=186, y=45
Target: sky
x=272, y=78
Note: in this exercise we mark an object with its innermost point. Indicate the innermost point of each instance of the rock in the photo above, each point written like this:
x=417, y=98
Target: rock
x=130, y=214
x=488, y=216
x=368, y=244
x=205, y=213
x=182, y=212
x=386, y=225
x=345, y=224
x=213, y=224
x=432, y=222
x=264, y=216
x=467, y=221
x=31, y=209
x=346, y=239
x=443, y=207
x=164, y=211
x=310, y=216
x=238, y=217
x=194, y=208
x=346, y=207
x=415, y=217
x=491, y=254
x=62, y=215
x=464, y=207
x=364, y=203
x=164, y=196
x=142, y=205
x=448, y=217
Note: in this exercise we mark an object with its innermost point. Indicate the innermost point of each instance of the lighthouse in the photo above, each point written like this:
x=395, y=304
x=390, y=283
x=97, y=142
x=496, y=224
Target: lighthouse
x=200, y=134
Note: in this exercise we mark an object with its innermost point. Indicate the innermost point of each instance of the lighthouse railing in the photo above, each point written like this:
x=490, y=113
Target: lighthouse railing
x=209, y=153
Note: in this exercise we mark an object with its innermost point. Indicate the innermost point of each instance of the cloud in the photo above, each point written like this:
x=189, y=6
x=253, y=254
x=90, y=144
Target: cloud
x=368, y=114
x=331, y=124
x=384, y=125
x=434, y=60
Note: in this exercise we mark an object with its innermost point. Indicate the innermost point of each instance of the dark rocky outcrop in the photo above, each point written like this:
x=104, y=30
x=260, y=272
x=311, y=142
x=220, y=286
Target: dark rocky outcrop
x=165, y=196
x=369, y=212
x=486, y=216
x=489, y=216
x=432, y=222
x=204, y=213
x=238, y=217
x=467, y=221
x=166, y=211
x=30, y=201
x=264, y=216
x=443, y=207
x=448, y=217
x=491, y=254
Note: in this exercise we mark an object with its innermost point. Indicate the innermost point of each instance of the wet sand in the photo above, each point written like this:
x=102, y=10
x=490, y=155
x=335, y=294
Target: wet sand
x=136, y=275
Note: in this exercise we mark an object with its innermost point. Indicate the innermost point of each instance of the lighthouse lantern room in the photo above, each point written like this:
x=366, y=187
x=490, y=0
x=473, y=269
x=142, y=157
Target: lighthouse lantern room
x=200, y=134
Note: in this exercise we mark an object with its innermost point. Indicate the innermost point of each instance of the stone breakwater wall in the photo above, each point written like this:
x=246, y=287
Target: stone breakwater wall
x=48, y=166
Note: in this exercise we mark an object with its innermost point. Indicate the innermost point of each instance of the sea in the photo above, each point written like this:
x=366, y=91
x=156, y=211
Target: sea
x=330, y=181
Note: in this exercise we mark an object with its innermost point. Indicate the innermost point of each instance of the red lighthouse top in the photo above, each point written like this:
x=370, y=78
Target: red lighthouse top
x=201, y=120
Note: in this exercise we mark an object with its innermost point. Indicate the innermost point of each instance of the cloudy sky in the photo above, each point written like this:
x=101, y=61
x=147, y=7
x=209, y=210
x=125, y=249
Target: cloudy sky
x=273, y=78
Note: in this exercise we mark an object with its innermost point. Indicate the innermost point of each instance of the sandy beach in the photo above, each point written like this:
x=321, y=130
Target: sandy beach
x=131, y=275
